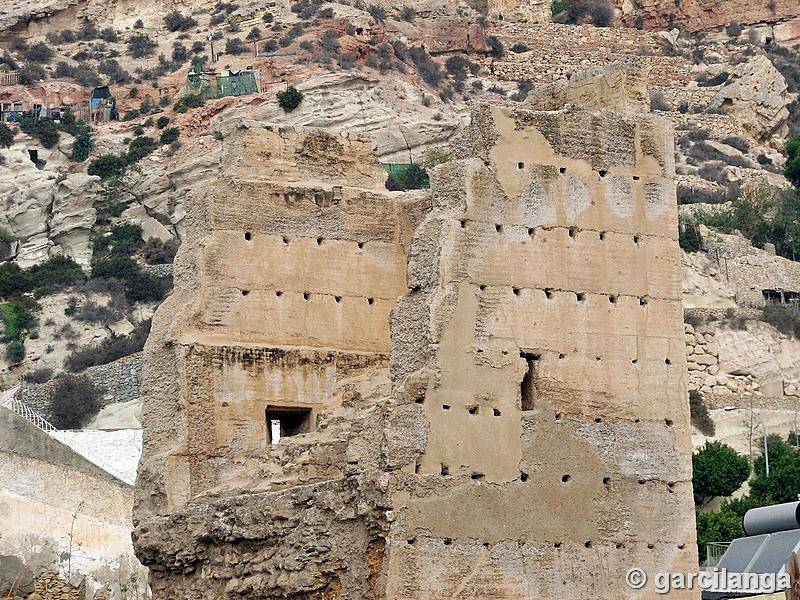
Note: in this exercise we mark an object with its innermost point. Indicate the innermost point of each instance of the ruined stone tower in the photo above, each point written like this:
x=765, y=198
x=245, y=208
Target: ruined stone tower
x=479, y=392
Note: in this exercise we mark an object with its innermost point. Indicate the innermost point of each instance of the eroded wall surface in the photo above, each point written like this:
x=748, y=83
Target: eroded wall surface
x=495, y=372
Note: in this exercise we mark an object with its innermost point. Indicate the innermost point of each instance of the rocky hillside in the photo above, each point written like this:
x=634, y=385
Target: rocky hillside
x=110, y=197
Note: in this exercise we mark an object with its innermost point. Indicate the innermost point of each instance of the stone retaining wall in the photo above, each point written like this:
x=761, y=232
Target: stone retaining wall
x=119, y=381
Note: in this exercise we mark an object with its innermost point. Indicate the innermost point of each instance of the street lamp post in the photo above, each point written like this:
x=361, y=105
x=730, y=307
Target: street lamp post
x=763, y=427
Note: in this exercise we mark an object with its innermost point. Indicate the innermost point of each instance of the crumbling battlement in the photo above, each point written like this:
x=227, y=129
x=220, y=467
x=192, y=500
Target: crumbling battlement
x=481, y=390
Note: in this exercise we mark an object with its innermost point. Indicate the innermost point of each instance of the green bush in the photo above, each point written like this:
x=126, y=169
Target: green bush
x=116, y=267
x=414, y=177
x=699, y=415
x=15, y=352
x=132, y=114
x=139, y=148
x=31, y=74
x=14, y=280
x=558, y=6
x=56, y=271
x=235, y=46
x=39, y=53
x=689, y=237
x=718, y=472
x=45, y=130
x=783, y=319
x=290, y=99
x=74, y=399
x=175, y=21
x=734, y=30
x=83, y=142
x=109, y=350
x=189, y=101
x=142, y=287
x=428, y=69
x=162, y=122
x=107, y=165
x=717, y=526
x=783, y=483
x=18, y=318
x=170, y=135
x=40, y=375
x=140, y=45
x=791, y=169
x=6, y=135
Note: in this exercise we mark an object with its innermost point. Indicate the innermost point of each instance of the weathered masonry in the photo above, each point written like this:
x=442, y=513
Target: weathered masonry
x=477, y=392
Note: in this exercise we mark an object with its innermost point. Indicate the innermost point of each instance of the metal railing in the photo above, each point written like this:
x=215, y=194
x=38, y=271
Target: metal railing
x=714, y=553
x=14, y=404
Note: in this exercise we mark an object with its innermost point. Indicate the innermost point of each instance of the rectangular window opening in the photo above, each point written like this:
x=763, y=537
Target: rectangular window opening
x=285, y=421
x=529, y=387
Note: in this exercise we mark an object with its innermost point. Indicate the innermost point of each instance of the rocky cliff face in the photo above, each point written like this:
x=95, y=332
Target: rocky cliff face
x=700, y=15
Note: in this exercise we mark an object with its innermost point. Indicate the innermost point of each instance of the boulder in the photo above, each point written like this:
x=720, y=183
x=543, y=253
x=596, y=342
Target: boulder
x=756, y=97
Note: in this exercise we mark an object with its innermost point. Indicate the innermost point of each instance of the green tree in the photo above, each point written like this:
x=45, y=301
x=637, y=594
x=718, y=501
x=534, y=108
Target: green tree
x=718, y=471
x=717, y=526
x=783, y=483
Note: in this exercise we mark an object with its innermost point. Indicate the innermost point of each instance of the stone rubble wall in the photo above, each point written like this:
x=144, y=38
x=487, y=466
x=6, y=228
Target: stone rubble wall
x=702, y=358
x=119, y=381
x=50, y=587
x=697, y=97
x=558, y=50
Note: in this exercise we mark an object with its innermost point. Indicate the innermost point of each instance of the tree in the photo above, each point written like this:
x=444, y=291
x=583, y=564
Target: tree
x=783, y=483
x=290, y=99
x=73, y=400
x=717, y=526
x=139, y=148
x=39, y=53
x=718, y=471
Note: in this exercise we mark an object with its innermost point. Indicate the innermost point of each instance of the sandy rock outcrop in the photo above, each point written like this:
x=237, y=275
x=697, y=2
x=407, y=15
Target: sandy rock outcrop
x=389, y=110
x=756, y=96
x=703, y=15
x=46, y=212
x=759, y=350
